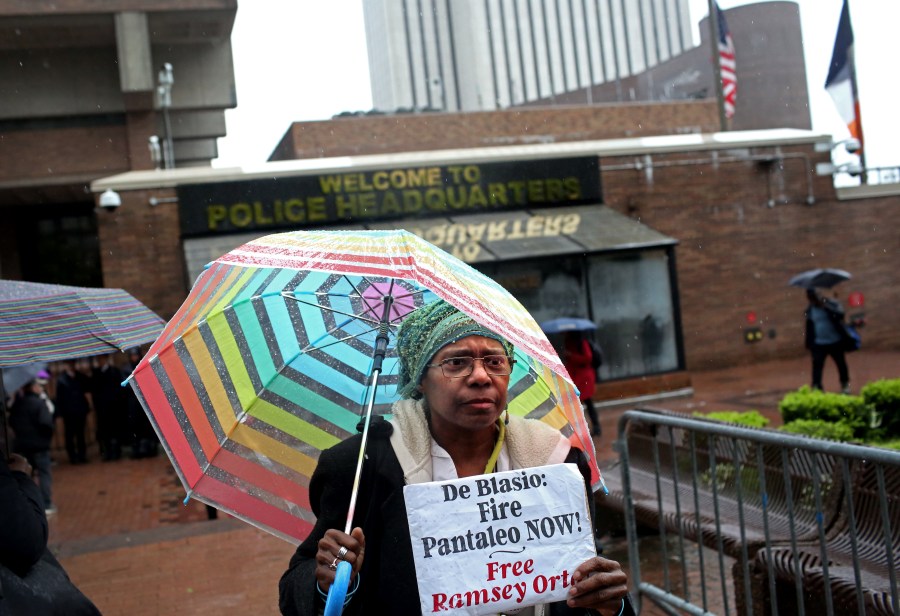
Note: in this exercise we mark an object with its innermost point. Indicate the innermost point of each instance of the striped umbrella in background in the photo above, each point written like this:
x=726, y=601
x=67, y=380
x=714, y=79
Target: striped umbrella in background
x=47, y=322
x=268, y=362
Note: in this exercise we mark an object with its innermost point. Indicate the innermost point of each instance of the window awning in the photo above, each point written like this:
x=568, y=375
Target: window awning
x=483, y=238
x=480, y=238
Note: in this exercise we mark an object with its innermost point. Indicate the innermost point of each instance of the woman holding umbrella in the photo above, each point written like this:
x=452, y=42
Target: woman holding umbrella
x=451, y=423
x=825, y=336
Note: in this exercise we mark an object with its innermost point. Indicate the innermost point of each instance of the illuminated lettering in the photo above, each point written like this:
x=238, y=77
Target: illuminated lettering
x=315, y=209
x=516, y=232
x=496, y=231
x=293, y=210
x=476, y=196
x=518, y=188
x=368, y=207
x=240, y=215
x=214, y=215
x=555, y=190
x=456, y=234
x=535, y=226
x=497, y=194
x=260, y=216
x=437, y=234
x=390, y=204
x=572, y=187
x=552, y=225
x=536, y=191
x=345, y=206
x=570, y=223
x=330, y=183
x=456, y=197
x=435, y=199
x=476, y=232
x=412, y=201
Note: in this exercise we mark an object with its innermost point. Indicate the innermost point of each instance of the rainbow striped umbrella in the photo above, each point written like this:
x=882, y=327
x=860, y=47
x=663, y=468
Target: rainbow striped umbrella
x=269, y=361
x=48, y=322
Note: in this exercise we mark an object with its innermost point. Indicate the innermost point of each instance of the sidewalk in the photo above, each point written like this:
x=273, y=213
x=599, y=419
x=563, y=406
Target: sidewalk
x=129, y=543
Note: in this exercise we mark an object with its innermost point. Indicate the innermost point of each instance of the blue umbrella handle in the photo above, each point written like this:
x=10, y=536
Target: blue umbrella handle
x=334, y=605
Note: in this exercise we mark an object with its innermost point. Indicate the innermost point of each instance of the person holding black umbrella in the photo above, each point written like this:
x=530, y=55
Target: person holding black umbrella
x=825, y=336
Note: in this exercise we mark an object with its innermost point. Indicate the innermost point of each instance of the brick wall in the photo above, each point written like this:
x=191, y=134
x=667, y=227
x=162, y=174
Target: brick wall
x=51, y=154
x=439, y=131
x=141, y=251
x=744, y=228
x=736, y=253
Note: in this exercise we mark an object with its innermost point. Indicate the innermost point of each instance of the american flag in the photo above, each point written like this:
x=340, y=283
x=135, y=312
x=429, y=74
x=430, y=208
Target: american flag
x=727, y=65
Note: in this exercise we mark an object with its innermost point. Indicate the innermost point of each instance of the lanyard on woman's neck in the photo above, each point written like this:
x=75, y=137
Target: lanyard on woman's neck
x=492, y=461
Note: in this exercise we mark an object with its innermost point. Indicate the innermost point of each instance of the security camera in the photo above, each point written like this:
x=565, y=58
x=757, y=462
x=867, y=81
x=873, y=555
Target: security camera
x=852, y=145
x=110, y=200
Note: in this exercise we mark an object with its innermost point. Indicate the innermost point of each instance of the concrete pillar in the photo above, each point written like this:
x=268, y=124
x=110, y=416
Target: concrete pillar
x=134, y=53
x=136, y=80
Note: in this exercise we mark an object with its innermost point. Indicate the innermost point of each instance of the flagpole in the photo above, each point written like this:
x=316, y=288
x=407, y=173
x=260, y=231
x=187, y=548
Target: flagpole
x=713, y=19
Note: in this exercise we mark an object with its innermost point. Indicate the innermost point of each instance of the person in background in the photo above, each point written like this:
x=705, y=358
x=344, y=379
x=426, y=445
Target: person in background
x=825, y=337
x=73, y=406
x=109, y=404
x=24, y=531
x=450, y=422
x=31, y=420
x=31, y=579
x=578, y=360
x=144, y=441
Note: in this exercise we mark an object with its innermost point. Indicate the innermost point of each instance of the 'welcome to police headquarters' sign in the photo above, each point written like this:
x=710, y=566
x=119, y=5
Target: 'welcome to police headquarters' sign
x=499, y=542
x=367, y=196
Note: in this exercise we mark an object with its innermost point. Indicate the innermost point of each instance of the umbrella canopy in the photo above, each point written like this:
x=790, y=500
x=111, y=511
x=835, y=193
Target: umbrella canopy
x=18, y=376
x=46, y=322
x=821, y=278
x=567, y=324
x=268, y=362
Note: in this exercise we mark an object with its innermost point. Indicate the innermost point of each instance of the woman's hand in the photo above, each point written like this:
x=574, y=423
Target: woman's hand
x=329, y=547
x=598, y=584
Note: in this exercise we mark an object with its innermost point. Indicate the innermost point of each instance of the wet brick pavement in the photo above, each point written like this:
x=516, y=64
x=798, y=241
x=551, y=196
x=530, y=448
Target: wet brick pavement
x=129, y=543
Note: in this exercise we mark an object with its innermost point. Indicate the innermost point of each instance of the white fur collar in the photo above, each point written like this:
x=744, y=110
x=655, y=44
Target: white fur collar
x=529, y=442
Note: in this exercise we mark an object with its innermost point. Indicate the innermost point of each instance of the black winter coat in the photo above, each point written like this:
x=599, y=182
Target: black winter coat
x=32, y=422
x=388, y=580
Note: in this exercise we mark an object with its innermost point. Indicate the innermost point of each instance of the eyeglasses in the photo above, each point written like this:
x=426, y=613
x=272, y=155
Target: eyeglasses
x=458, y=367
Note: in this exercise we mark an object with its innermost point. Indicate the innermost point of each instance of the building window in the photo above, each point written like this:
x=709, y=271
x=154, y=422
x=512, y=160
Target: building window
x=627, y=294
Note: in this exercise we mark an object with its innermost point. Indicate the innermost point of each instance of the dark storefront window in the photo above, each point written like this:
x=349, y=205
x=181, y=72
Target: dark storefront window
x=59, y=245
x=628, y=295
x=548, y=288
x=631, y=297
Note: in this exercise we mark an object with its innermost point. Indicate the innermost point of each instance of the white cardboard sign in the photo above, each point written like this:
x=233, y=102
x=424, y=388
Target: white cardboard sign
x=499, y=542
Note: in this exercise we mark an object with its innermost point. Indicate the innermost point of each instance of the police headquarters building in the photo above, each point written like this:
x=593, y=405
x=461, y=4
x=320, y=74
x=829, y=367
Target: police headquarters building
x=678, y=247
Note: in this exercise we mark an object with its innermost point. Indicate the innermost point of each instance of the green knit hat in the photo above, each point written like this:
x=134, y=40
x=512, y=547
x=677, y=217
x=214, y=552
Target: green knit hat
x=425, y=332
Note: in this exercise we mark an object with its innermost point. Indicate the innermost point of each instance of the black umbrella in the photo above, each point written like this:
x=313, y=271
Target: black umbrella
x=821, y=278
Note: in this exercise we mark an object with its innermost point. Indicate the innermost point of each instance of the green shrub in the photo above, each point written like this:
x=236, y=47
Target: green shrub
x=884, y=398
x=726, y=479
x=820, y=428
x=812, y=404
x=892, y=444
x=753, y=419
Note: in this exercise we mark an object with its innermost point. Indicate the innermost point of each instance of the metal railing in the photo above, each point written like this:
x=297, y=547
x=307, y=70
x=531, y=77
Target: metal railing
x=754, y=521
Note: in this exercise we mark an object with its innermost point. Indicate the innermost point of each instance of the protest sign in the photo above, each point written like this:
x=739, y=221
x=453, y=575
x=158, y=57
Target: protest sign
x=498, y=542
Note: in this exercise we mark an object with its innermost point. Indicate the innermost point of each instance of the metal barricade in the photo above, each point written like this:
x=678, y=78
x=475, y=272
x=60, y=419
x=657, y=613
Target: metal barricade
x=755, y=521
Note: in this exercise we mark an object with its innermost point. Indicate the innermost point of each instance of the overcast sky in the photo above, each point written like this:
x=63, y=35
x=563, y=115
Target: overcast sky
x=298, y=60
